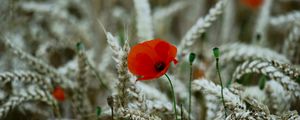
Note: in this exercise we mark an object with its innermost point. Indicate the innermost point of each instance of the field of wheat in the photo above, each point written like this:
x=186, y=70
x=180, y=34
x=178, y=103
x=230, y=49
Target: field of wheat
x=150, y=59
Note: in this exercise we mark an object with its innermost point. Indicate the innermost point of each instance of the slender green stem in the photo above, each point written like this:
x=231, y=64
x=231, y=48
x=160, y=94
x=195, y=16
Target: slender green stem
x=79, y=47
x=173, y=93
x=222, y=94
x=96, y=73
x=57, y=111
x=190, y=90
x=181, y=112
x=112, y=112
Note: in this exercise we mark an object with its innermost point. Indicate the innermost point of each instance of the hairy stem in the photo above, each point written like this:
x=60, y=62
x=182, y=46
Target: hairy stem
x=181, y=112
x=98, y=77
x=222, y=94
x=57, y=111
x=173, y=95
x=190, y=90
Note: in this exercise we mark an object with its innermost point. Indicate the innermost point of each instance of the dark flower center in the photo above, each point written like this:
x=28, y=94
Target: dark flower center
x=159, y=66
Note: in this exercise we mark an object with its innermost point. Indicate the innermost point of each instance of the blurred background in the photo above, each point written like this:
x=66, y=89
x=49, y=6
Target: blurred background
x=49, y=30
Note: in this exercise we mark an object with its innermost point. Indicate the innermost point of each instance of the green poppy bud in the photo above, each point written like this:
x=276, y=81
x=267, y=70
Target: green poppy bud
x=79, y=46
x=216, y=52
x=192, y=57
x=98, y=111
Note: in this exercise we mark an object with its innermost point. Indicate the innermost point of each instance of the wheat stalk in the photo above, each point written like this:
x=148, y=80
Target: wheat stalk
x=80, y=98
x=27, y=77
x=106, y=59
x=278, y=98
x=150, y=92
x=280, y=20
x=200, y=27
x=242, y=52
x=262, y=23
x=287, y=69
x=209, y=87
x=289, y=115
x=157, y=102
x=164, y=108
x=125, y=83
x=113, y=43
x=228, y=21
x=255, y=109
x=41, y=66
x=291, y=42
x=239, y=52
x=161, y=14
x=235, y=103
x=135, y=115
x=30, y=94
x=144, y=24
x=248, y=115
x=213, y=106
x=266, y=68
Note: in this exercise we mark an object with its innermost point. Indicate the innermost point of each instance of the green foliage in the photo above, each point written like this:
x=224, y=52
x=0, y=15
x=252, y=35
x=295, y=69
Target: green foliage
x=262, y=82
x=298, y=80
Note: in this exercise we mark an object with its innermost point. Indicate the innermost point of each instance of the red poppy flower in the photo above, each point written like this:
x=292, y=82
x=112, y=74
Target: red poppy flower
x=151, y=59
x=253, y=3
x=58, y=93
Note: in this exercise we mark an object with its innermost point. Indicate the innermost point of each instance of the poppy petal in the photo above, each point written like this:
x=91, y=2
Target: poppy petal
x=172, y=54
x=148, y=77
x=165, y=50
x=141, y=60
x=175, y=61
x=153, y=43
x=162, y=50
x=157, y=75
x=144, y=64
x=254, y=4
x=59, y=94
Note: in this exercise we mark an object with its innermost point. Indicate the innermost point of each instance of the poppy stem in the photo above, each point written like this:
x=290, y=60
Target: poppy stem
x=173, y=95
x=190, y=90
x=98, y=77
x=222, y=94
x=57, y=111
x=216, y=53
x=192, y=58
x=181, y=112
